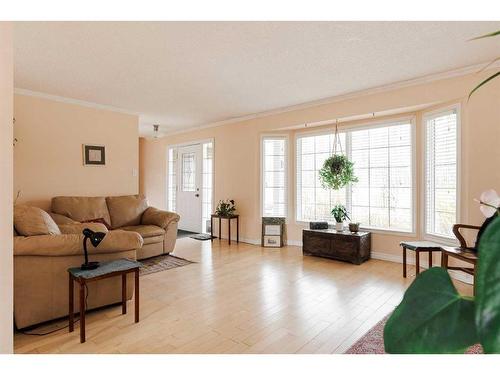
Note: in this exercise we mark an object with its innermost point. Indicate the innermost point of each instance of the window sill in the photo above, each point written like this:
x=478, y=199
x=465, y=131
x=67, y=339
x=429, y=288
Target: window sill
x=448, y=241
x=371, y=230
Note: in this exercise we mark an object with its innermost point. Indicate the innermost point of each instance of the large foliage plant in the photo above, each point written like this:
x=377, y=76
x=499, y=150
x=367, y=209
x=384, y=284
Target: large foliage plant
x=434, y=318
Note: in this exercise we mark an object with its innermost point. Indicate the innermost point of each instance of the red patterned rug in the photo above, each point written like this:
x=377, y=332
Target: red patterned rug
x=373, y=342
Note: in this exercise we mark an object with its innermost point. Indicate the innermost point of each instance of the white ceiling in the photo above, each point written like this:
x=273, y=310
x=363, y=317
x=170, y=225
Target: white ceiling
x=187, y=74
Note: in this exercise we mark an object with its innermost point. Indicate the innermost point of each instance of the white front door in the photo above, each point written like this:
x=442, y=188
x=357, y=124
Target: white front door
x=189, y=191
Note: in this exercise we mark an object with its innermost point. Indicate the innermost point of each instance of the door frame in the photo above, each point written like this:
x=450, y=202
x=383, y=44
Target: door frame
x=176, y=146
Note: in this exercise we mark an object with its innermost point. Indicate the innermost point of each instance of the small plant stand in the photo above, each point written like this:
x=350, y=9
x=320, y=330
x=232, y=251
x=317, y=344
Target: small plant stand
x=237, y=217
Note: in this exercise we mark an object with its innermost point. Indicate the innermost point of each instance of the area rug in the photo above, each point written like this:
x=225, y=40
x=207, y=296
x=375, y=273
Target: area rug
x=162, y=263
x=202, y=237
x=184, y=233
x=373, y=342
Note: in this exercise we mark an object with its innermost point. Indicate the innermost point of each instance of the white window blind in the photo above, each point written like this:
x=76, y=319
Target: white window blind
x=382, y=158
x=274, y=181
x=172, y=179
x=383, y=196
x=441, y=131
x=314, y=203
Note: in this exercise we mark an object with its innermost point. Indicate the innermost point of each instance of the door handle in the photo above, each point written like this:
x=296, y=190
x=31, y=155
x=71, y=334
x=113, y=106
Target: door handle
x=197, y=195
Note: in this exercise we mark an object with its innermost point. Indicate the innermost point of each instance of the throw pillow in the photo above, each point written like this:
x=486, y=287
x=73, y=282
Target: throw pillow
x=33, y=221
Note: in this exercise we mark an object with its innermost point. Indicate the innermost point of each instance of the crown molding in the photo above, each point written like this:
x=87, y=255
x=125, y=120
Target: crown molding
x=352, y=95
x=63, y=99
x=334, y=99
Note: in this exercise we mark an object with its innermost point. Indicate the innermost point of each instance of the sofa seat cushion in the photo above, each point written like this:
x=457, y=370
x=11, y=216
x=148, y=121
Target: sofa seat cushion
x=126, y=210
x=81, y=208
x=33, y=221
x=146, y=231
x=155, y=239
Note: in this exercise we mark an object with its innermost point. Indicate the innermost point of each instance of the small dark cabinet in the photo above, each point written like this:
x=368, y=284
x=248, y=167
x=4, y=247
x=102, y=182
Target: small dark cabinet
x=328, y=243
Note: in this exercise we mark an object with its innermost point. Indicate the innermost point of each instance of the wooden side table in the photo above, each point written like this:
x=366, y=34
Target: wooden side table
x=229, y=218
x=417, y=247
x=119, y=267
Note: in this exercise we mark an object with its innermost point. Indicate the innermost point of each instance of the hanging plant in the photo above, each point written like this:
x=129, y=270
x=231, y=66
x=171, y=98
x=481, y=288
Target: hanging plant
x=337, y=172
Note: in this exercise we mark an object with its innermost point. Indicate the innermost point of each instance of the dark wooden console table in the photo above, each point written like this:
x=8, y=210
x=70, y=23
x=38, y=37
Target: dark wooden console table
x=237, y=217
x=328, y=243
x=119, y=267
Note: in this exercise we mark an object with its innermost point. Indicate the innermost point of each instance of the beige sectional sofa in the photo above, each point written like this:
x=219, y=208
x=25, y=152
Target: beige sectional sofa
x=45, y=246
x=130, y=212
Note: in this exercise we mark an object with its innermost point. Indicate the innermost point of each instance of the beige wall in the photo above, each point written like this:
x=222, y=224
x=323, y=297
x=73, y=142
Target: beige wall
x=6, y=260
x=237, y=151
x=48, y=157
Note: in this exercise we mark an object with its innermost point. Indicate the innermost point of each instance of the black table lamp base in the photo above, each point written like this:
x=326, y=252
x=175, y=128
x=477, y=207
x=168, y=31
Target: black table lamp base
x=89, y=266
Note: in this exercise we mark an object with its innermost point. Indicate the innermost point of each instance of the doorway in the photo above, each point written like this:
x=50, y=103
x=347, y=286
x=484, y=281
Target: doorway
x=190, y=184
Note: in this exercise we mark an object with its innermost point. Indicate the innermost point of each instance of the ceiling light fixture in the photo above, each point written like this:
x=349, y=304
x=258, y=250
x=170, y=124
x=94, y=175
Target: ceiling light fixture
x=155, y=130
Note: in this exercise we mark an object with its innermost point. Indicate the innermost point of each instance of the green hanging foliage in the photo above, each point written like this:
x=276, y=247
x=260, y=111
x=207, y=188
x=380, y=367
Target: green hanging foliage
x=337, y=172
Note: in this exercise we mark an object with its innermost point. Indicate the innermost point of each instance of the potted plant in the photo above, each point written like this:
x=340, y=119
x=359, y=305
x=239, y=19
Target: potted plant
x=434, y=318
x=225, y=208
x=337, y=172
x=339, y=213
x=354, y=227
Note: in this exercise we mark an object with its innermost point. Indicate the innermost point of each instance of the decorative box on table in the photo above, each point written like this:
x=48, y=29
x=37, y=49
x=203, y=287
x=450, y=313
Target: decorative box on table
x=273, y=231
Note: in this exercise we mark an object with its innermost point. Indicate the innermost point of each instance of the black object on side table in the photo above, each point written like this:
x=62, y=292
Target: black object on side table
x=329, y=243
x=119, y=267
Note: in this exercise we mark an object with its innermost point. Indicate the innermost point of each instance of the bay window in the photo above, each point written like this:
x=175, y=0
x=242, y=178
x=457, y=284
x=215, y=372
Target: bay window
x=383, y=163
x=274, y=176
x=441, y=167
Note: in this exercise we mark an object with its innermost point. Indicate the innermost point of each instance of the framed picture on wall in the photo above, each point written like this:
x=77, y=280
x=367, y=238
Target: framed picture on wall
x=94, y=155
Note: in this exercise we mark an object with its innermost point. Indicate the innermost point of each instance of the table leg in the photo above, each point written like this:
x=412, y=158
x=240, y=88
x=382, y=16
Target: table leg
x=212, y=229
x=82, y=311
x=124, y=294
x=71, y=304
x=404, y=261
x=237, y=229
x=229, y=230
x=444, y=260
x=430, y=259
x=136, y=299
x=417, y=262
x=220, y=227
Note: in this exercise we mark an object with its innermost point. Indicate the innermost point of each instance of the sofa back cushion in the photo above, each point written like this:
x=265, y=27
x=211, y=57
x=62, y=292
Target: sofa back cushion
x=126, y=210
x=33, y=221
x=81, y=208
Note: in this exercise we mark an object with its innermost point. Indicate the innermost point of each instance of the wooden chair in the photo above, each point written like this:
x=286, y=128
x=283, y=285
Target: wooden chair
x=464, y=253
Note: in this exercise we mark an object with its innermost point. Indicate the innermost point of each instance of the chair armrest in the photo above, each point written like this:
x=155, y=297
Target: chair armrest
x=458, y=235
x=154, y=216
x=78, y=228
x=72, y=244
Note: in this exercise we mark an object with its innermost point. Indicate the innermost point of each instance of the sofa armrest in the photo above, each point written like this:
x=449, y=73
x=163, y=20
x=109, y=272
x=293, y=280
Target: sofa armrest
x=72, y=244
x=78, y=228
x=154, y=216
x=61, y=219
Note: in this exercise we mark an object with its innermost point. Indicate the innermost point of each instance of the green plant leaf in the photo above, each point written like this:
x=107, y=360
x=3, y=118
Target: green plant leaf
x=432, y=318
x=488, y=288
x=494, y=33
x=483, y=83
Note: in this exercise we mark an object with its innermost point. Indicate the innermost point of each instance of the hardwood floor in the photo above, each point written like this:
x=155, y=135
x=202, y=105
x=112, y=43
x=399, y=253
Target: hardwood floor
x=242, y=299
